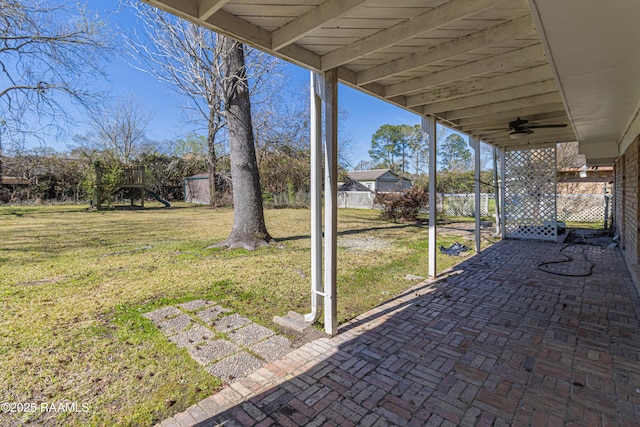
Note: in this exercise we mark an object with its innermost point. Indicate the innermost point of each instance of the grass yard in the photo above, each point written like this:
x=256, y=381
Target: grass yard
x=73, y=286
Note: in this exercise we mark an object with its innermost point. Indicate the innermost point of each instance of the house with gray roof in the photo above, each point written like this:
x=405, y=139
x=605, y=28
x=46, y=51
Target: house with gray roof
x=383, y=180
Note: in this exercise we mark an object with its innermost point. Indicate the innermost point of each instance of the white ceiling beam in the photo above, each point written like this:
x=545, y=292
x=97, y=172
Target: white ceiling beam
x=507, y=116
x=482, y=110
x=348, y=77
x=315, y=18
x=187, y=10
x=482, y=66
x=482, y=39
x=206, y=8
x=435, y=18
x=455, y=90
x=240, y=29
x=490, y=98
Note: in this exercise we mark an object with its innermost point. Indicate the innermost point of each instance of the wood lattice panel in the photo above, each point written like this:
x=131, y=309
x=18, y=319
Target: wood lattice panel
x=530, y=194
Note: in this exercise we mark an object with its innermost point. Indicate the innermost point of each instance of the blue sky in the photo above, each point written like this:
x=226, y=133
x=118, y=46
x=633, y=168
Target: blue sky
x=364, y=114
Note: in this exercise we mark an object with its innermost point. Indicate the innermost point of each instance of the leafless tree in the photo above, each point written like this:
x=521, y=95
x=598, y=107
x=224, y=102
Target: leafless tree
x=120, y=127
x=49, y=51
x=568, y=156
x=249, y=230
x=188, y=58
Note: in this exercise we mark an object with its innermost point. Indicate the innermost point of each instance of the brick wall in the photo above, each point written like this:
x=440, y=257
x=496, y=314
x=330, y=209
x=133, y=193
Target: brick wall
x=618, y=198
x=627, y=202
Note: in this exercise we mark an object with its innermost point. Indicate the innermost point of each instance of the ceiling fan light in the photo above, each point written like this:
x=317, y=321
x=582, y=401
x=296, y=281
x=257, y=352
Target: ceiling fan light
x=518, y=135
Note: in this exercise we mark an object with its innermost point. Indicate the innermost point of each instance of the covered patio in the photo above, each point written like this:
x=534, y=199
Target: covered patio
x=511, y=73
x=496, y=341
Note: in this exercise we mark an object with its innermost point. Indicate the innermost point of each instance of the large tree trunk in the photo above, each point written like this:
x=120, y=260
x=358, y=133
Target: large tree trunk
x=249, y=230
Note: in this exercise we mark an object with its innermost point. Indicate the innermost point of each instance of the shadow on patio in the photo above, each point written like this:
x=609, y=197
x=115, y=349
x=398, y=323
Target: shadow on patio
x=495, y=342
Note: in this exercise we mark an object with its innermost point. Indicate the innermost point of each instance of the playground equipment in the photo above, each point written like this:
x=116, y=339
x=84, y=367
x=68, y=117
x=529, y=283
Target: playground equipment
x=132, y=178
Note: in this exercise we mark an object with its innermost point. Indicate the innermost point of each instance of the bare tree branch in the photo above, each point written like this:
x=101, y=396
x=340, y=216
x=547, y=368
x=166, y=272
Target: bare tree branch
x=47, y=49
x=188, y=58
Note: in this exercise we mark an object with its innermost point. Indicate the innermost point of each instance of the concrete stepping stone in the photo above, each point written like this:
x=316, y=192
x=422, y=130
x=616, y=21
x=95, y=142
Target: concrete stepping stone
x=211, y=313
x=231, y=358
x=192, y=337
x=250, y=334
x=196, y=304
x=160, y=315
x=272, y=348
x=175, y=325
x=229, y=323
x=235, y=367
x=213, y=351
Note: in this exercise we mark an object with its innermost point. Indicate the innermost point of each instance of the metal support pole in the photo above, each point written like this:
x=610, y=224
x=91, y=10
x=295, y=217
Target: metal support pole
x=429, y=126
x=316, y=88
x=331, y=201
x=475, y=143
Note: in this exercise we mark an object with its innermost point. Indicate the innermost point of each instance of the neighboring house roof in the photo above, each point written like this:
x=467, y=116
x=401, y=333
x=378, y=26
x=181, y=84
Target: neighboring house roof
x=12, y=180
x=198, y=176
x=352, y=185
x=371, y=175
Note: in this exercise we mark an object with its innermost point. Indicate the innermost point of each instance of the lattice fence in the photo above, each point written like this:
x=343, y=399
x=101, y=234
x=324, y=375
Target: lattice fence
x=530, y=194
x=582, y=207
x=463, y=204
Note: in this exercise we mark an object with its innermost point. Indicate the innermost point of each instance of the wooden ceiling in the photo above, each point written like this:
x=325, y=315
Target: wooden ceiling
x=475, y=65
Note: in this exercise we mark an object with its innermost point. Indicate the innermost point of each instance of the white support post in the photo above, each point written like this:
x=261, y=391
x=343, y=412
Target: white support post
x=503, y=189
x=331, y=201
x=429, y=126
x=475, y=143
x=316, y=89
x=496, y=192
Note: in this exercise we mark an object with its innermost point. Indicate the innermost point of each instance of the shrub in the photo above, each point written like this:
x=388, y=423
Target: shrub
x=404, y=205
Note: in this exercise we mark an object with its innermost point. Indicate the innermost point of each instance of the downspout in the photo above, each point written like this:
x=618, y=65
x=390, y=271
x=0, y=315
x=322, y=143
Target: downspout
x=496, y=190
x=475, y=143
x=316, y=198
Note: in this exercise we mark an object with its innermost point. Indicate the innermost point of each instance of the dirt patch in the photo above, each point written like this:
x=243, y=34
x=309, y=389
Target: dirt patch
x=362, y=244
x=465, y=229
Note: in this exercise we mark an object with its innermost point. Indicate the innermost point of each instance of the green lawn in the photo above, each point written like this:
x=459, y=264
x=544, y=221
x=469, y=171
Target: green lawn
x=73, y=285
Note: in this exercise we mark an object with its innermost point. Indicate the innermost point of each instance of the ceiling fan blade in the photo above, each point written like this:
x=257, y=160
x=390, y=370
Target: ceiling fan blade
x=546, y=126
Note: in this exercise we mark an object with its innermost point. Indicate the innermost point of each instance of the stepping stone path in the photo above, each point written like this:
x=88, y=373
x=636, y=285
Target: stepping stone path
x=229, y=346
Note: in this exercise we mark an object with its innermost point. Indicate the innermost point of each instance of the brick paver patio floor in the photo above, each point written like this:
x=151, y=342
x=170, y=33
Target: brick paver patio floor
x=495, y=342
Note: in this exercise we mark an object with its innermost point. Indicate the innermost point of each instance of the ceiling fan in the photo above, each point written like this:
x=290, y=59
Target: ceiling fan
x=520, y=128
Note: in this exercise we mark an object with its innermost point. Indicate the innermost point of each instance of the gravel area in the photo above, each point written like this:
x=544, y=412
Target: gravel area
x=363, y=244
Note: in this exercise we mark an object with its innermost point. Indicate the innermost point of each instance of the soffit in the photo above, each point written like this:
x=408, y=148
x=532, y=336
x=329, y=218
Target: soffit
x=473, y=64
